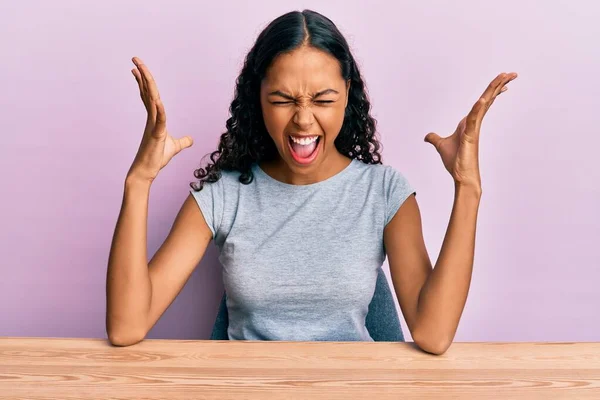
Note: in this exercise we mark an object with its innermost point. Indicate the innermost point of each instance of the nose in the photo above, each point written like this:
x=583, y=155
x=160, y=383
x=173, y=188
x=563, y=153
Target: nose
x=303, y=117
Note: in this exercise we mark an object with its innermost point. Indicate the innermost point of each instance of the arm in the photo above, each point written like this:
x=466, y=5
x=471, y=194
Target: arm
x=444, y=295
x=138, y=292
x=432, y=300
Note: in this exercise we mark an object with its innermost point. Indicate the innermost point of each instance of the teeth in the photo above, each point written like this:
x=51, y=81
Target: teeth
x=304, y=141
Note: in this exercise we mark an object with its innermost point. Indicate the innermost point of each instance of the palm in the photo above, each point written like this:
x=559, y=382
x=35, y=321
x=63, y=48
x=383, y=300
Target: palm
x=449, y=147
x=168, y=146
x=460, y=150
x=172, y=147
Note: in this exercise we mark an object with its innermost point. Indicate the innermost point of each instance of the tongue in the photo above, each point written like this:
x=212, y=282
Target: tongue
x=304, y=151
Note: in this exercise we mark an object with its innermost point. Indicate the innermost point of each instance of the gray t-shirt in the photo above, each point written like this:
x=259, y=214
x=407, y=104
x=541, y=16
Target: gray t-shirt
x=300, y=262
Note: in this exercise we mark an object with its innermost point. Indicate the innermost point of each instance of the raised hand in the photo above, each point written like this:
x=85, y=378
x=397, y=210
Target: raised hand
x=460, y=151
x=157, y=147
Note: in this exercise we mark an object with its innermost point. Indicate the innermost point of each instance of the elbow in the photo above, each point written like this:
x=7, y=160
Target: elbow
x=124, y=336
x=123, y=339
x=123, y=331
x=431, y=344
x=435, y=349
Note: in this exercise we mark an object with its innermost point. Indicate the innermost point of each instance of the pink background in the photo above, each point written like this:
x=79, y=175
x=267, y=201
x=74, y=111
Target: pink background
x=72, y=120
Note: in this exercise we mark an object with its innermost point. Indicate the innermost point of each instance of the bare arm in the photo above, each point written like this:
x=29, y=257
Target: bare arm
x=409, y=261
x=433, y=299
x=444, y=295
x=138, y=292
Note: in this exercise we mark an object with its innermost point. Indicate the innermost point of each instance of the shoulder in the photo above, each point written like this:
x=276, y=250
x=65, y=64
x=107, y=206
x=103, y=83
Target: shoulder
x=388, y=183
x=227, y=179
x=216, y=199
x=230, y=178
x=386, y=176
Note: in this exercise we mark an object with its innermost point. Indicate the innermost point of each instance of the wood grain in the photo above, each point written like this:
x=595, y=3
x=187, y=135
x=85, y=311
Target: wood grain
x=48, y=368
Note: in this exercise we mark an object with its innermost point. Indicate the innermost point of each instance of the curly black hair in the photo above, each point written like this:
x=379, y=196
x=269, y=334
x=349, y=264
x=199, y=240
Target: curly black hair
x=247, y=141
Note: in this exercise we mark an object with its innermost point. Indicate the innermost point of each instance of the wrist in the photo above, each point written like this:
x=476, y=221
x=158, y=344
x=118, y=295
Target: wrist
x=472, y=192
x=135, y=180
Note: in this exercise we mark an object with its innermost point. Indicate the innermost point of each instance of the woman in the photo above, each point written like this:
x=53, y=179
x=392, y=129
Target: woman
x=299, y=204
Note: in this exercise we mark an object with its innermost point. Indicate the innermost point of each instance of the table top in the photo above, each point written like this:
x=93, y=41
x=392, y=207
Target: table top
x=57, y=368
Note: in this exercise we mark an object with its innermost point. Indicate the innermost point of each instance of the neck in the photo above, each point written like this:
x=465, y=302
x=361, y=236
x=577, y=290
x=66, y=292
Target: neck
x=329, y=167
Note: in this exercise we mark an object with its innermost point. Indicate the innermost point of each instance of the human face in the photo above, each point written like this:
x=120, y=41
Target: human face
x=304, y=96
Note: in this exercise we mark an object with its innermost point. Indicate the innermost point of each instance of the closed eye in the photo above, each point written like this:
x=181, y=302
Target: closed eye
x=317, y=101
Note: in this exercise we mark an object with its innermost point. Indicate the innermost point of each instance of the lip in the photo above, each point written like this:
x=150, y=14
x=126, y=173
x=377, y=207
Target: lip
x=314, y=155
x=303, y=135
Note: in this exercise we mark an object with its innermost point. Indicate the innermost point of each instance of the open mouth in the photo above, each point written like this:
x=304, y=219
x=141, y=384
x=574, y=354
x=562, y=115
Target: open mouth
x=304, y=149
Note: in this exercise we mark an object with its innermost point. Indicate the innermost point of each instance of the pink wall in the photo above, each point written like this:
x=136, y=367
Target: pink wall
x=72, y=121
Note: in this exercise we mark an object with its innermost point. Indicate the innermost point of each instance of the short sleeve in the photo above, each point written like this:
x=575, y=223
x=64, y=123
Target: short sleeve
x=210, y=201
x=397, y=189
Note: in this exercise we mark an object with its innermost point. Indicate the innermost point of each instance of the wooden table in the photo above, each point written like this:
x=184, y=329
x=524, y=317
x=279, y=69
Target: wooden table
x=37, y=368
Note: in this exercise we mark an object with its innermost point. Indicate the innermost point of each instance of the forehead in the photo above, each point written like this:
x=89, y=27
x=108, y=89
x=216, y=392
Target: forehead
x=304, y=69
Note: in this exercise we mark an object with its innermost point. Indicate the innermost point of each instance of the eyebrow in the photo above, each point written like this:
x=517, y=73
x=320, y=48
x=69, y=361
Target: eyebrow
x=287, y=96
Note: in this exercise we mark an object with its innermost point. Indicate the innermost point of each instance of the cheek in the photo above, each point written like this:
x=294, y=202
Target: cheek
x=275, y=122
x=331, y=120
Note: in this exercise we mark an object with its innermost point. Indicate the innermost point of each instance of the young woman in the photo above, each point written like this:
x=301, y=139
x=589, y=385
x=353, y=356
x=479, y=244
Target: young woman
x=299, y=204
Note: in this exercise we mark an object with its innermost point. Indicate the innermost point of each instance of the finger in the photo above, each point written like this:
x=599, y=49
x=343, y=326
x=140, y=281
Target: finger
x=149, y=82
x=506, y=78
x=161, y=119
x=474, y=117
x=502, y=80
x=139, y=81
x=139, y=74
x=143, y=87
x=494, y=85
x=502, y=87
x=434, y=139
x=185, y=142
